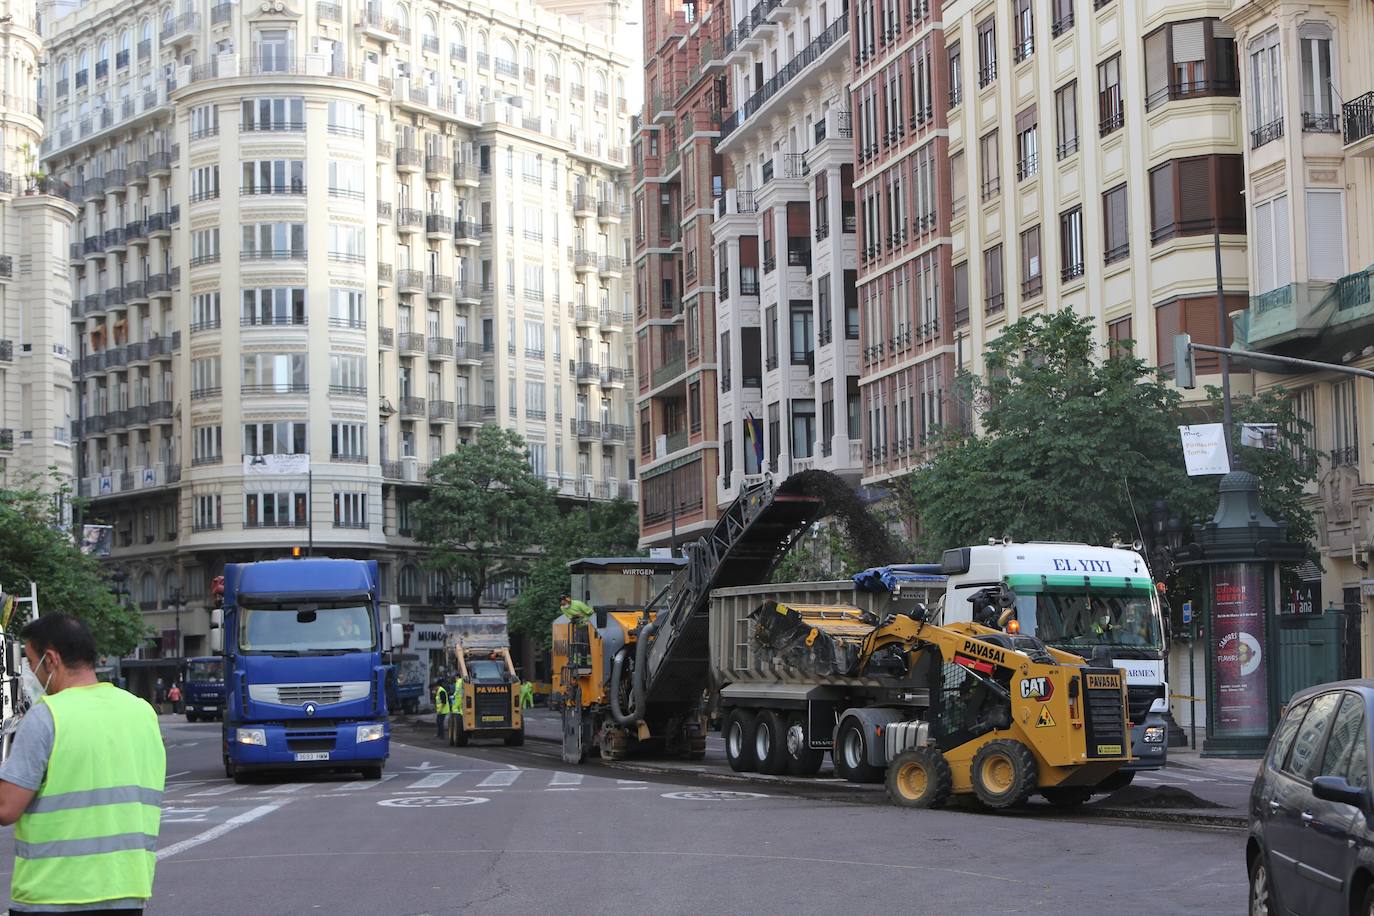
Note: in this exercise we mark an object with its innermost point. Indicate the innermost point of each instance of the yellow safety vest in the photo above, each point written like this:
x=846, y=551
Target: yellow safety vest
x=441, y=701
x=90, y=834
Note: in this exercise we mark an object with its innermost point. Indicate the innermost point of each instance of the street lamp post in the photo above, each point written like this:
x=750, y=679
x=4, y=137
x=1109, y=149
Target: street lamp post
x=176, y=598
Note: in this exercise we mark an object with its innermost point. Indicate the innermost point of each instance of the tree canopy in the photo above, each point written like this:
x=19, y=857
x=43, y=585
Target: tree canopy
x=1070, y=445
x=485, y=511
x=601, y=530
x=34, y=547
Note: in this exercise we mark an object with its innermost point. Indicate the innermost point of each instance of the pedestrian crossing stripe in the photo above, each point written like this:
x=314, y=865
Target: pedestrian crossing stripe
x=1045, y=720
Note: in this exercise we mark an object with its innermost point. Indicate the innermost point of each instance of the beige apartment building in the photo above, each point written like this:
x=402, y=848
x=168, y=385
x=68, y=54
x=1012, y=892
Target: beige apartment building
x=415, y=209
x=36, y=402
x=1095, y=148
x=1307, y=80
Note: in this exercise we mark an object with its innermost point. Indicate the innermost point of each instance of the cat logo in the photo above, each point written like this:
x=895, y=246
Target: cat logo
x=1037, y=688
x=1044, y=720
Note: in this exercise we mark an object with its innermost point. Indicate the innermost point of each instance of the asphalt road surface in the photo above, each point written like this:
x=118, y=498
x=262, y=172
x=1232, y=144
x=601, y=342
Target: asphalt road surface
x=496, y=830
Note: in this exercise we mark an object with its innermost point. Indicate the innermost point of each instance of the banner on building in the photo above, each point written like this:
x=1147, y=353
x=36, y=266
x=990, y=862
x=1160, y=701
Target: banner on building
x=96, y=540
x=1260, y=435
x=275, y=465
x=1204, y=449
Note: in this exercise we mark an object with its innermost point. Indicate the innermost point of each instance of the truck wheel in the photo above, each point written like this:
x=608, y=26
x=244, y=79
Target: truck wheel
x=802, y=758
x=228, y=768
x=1067, y=796
x=919, y=778
x=192, y=717
x=1004, y=773
x=516, y=739
x=850, y=753
x=770, y=742
x=738, y=732
x=371, y=772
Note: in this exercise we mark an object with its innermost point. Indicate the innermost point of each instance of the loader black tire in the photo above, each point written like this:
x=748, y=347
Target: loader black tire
x=1117, y=781
x=919, y=778
x=850, y=753
x=460, y=734
x=1067, y=797
x=516, y=738
x=1004, y=773
x=738, y=732
x=770, y=741
x=802, y=758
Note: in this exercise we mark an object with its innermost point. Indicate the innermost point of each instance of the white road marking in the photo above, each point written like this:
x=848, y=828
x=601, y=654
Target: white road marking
x=630, y=788
x=218, y=830
x=190, y=784
x=285, y=789
x=175, y=775
x=566, y=779
x=185, y=815
x=433, y=780
x=218, y=790
x=501, y=778
x=364, y=784
x=629, y=782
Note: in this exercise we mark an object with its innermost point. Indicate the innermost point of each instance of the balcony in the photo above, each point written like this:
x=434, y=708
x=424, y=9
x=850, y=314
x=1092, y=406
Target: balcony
x=179, y=29
x=585, y=430
x=609, y=266
x=413, y=408
x=466, y=174
x=409, y=280
x=612, y=320
x=272, y=254
x=409, y=159
x=385, y=274
x=438, y=286
x=468, y=352
x=441, y=411
x=673, y=364
x=584, y=261
x=1357, y=116
x=437, y=225
x=467, y=291
x=467, y=232
x=410, y=342
x=793, y=68
x=612, y=377
x=587, y=373
x=468, y=414
x=613, y=433
x=584, y=205
x=409, y=219
x=607, y=211
x=439, y=347
x=1266, y=133
x=375, y=25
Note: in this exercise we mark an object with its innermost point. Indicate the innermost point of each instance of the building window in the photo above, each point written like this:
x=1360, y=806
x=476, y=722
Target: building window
x=1115, y=227
x=851, y=305
x=273, y=305
x=1197, y=196
x=208, y=512
x=989, y=176
x=273, y=114
x=1189, y=59
x=348, y=441
x=1345, y=438
x=347, y=375
x=1325, y=234
x=350, y=510
x=1270, y=244
x=1031, y=281
x=1071, y=244
x=280, y=437
x=774, y=436
x=803, y=336
x=1266, y=90
x=961, y=294
x=208, y=444
x=770, y=332
x=1304, y=424
x=956, y=79
x=1062, y=13
x=1066, y=119
x=275, y=510
x=1025, y=31
x=1110, y=115
x=987, y=51
x=803, y=428
x=274, y=373
x=993, y=297
x=1119, y=337
x=1027, y=145
x=1319, y=111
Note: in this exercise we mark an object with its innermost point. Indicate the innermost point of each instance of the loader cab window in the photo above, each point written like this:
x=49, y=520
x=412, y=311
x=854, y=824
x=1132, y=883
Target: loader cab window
x=486, y=670
x=616, y=589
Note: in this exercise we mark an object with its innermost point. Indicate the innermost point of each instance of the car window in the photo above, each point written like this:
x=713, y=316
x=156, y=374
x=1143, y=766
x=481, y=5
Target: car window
x=1288, y=729
x=1357, y=773
x=1347, y=725
x=1303, y=762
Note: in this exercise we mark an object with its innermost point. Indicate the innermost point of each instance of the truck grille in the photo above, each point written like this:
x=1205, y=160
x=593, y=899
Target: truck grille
x=301, y=740
x=1139, y=697
x=300, y=694
x=1106, y=726
x=494, y=705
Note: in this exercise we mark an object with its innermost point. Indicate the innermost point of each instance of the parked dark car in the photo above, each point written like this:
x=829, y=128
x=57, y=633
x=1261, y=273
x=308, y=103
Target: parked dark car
x=1311, y=847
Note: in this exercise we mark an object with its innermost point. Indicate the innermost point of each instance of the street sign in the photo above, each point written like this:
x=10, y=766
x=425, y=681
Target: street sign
x=1204, y=449
x=1187, y=612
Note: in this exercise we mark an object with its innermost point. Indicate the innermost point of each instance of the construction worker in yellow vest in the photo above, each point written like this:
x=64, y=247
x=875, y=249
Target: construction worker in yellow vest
x=526, y=695
x=440, y=708
x=83, y=782
x=458, y=697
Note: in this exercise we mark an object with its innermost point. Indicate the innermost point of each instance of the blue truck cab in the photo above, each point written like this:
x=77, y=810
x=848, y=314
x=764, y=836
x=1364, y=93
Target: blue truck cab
x=305, y=678
x=202, y=688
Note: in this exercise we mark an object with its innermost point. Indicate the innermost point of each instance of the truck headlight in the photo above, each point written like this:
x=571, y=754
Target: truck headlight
x=256, y=736
x=370, y=733
x=1154, y=734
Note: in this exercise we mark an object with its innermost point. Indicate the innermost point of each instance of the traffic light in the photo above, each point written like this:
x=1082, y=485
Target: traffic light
x=1185, y=372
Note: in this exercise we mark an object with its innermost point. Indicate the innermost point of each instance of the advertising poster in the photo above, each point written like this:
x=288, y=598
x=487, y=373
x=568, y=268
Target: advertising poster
x=1242, y=694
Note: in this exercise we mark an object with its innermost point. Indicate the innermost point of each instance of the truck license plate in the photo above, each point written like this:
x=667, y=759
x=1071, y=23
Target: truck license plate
x=313, y=755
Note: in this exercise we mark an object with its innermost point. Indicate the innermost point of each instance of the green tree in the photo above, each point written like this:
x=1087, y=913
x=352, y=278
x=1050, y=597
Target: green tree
x=1073, y=446
x=485, y=511
x=601, y=530
x=35, y=548
x=822, y=554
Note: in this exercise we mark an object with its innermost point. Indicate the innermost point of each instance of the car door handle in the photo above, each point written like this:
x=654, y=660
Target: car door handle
x=1307, y=819
x=1275, y=807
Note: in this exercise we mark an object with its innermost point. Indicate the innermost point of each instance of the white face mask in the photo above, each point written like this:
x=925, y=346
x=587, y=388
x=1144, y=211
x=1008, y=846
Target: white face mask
x=32, y=686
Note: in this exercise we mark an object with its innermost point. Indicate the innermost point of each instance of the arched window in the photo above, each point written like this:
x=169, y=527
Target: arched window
x=620, y=87
x=83, y=62
x=481, y=42
x=147, y=589
x=505, y=52
x=577, y=80
x=167, y=19
x=171, y=582
x=437, y=585
x=126, y=43
x=104, y=55
x=599, y=82
x=145, y=32
x=64, y=68
x=551, y=65
x=403, y=17
x=408, y=582
x=431, y=31
x=457, y=35
x=527, y=59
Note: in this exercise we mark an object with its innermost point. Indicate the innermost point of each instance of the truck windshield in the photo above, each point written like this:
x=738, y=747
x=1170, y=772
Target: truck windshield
x=306, y=629
x=486, y=670
x=1072, y=621
x=207, y=672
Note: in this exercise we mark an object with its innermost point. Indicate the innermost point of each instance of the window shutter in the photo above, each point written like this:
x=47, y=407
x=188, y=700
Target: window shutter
x=1166, y=327
x=958, y=180
x=1325, y=235
x=798, y=220
x=1156, y=63
x=1025, y=120
x=1188, y=41
x=1222, y=30
x=749, y=251
x=1283, y=264
x=1115, y=217
x=1194, y=193
x=1162, y=200
x=1264, y=246
x=961, y=289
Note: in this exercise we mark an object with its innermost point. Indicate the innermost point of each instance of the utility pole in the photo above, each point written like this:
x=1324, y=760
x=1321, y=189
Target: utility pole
x=1225, y=357
x=672, y=497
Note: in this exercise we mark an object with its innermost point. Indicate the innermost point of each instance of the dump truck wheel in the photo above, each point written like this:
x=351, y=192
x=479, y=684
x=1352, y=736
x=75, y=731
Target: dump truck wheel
x=770, y=742
x=1067, y=796
x=802, y=758
x=374, y=772
x=738, y=732
x=1004, y=773
x=919, y=778
x=516, y=739
x=850, y=753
